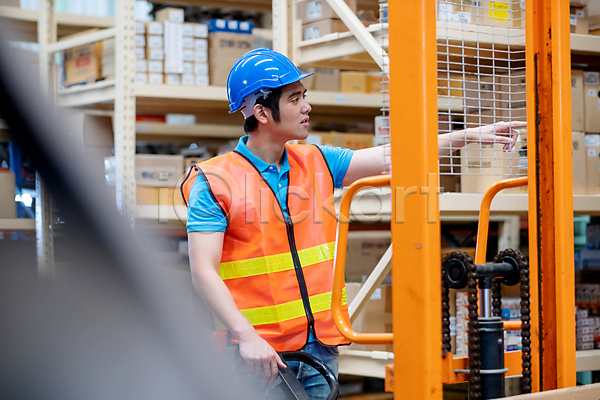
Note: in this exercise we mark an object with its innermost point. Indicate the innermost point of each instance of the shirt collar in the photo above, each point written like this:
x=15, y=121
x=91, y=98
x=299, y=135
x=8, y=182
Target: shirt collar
x=261, y=165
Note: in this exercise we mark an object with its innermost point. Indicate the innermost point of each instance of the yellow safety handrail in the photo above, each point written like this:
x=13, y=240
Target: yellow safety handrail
x=340, y=265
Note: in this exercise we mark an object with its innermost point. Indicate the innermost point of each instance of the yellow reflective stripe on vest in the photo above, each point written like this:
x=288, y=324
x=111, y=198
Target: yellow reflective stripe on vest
x=286, y=311
x=275, y=263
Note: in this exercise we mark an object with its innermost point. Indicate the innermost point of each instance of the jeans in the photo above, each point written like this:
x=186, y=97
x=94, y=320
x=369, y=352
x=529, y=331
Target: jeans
x=311, y=380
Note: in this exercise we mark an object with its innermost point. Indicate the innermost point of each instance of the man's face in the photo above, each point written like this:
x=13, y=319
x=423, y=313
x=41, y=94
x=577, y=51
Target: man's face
x=293, y=112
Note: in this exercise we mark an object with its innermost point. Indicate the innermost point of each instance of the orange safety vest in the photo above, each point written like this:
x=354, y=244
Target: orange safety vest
x=278, y=269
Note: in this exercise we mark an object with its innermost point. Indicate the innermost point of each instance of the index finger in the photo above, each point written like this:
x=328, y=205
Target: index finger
x=515, y=124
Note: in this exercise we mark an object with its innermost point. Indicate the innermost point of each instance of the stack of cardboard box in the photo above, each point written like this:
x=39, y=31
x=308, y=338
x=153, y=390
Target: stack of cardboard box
x=360, y=82
x=319, y=19
x=170, y=51
x=506, y=13
x=88, y=63
x=227, y=42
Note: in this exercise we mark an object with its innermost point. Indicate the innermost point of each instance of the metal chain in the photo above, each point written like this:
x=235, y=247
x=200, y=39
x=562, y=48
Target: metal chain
x=446, y=339
x=474, y=347
x=525, y=325
x=496, y=298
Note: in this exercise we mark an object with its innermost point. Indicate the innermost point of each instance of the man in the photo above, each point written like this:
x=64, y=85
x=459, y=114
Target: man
x=260, y=223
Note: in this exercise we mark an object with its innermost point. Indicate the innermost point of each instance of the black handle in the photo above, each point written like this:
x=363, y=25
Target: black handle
x=317, y=364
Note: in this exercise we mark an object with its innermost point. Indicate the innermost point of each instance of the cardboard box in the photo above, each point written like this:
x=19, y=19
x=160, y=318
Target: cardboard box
x=155, y=54
x=188, y=42
x=322, y=79
x=158, y=170
x=484, y=165
x=456, y=11
x=200, y=30
x=365, y=249
x=155, y=195
x=508, y=13
x=591, y=94
x=8, y=207
x=170, y=14
x=578, y=18
x=154, y=28
x=140, y=53
x=577, y=101
x=374, y=82
x=201, y=44
x=141, y=66
x=483, y=93
x=201, y=56
x=188, y=67
x=202, y=80
x=83, y=64
x=188, y=29
x=140, y=40
x=224, y=49
x=315, y=10
x=375, y=317
x=592, y=149
x=200, y=68
x=141, y=77
x=155, y=41
x=155, y=66
x=172, y=79
x=353, y=141
x=188, y=79
x=155, y=78
x=513, y=95
x=353, y=82
x=317, y=29
x=579, y=163
x=450, y=84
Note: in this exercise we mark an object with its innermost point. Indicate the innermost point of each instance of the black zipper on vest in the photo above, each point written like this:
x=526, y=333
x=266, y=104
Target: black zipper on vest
x=289, y=226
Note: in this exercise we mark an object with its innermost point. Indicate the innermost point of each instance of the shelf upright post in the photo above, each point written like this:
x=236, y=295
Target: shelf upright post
x=44, y=235
x=416, y=277
x=283, y=21
x=124, y=116
x=549, y=155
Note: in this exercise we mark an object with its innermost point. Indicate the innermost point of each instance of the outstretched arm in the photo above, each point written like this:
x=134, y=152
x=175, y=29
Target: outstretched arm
x=370, y=162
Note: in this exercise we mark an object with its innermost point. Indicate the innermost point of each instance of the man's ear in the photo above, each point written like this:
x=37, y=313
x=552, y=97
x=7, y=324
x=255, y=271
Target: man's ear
x=261, y=113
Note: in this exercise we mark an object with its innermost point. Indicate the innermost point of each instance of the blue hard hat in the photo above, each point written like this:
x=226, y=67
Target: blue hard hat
x=258, y=69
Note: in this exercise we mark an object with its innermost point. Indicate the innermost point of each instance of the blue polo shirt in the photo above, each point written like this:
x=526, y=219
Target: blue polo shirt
x=204, y=215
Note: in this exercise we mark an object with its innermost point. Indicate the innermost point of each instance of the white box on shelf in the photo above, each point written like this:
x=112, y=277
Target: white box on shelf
x=155, y=78
x=173, y=79
x=155, y=41
x=200, y=68
x=154, y=28
x=201, y=56
x=140, y=28
x=141, y=66
x=187, y=79
x=188, y=28
x=201, y=80
x=140, y=40
x=141, y=77
x=140, y=52
x=187, y=42
x=201, y=45
x=200, y=30
x=188, y=55
x=170, y=14
x=155, y=66
x=188, y=67
x=154, y=53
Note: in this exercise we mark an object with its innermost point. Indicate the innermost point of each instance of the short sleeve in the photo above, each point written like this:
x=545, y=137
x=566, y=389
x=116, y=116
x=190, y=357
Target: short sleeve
x=338, y=160
x=204, y=214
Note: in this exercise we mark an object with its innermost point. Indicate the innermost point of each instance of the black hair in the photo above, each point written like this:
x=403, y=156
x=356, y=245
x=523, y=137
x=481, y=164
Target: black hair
x=271, y=102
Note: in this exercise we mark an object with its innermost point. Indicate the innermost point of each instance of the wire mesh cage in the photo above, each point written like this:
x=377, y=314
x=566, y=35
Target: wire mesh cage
x=382, y=123
x=481, y=83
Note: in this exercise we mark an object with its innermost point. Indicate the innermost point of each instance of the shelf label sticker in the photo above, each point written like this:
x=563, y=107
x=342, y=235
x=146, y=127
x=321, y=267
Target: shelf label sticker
x=591, y=92
x=312, y=33
x=340, y=99
x=573, y=19
x=580, y=14
x=591, y=78
x=463, y=17
x=592, y=140
x=314, y=10
x=591, y=153
x=523, y=4
x=499, y=10
x=376, y=294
